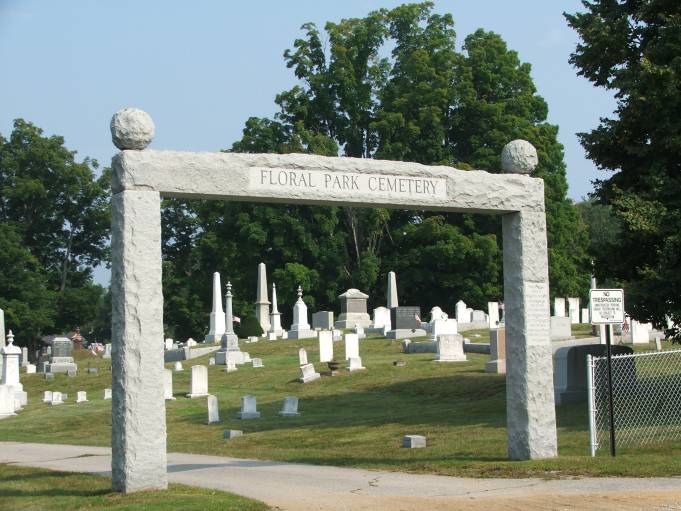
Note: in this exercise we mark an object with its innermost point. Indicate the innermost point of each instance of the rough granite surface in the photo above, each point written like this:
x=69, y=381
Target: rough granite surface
x=132, y=128
x=138, y=404
x=531, y=419
x=519, y=156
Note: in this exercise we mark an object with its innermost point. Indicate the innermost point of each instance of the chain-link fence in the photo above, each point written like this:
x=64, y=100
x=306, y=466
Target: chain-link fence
x=646, y=391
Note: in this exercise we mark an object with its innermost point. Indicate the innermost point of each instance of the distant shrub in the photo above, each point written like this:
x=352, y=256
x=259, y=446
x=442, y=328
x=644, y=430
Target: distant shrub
x=248, y=327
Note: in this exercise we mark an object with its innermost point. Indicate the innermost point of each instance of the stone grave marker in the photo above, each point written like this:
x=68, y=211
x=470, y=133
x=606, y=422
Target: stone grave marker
x=497, y=352
x=168, y=385
x=107, y=393
x=211, y=361
x=30, y=368
x=353, y=309
x=230, y=367
x=57, y=398
x=248, y=408
x=351, y=346
x=450, y=349
x=414, y=441
x=573, y=310
x=290, y=407
x=559, y=307
x=81, y=396
x=47, y=396
x=322, y=320
x=406, y=322
x=355, y=364
x=107, y=351
x=177, y=367
x=6, y=401
x=213, y=409
x=308, y=374
x=302, y=357
x=257, y=362
x=198, y=382
x=325, y=346
x=232, y=433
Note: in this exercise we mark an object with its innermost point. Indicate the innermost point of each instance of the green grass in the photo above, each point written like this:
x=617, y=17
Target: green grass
x=353, y=419
x=33, y=489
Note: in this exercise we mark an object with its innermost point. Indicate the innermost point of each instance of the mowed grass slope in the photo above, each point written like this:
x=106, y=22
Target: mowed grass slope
x=353, y=419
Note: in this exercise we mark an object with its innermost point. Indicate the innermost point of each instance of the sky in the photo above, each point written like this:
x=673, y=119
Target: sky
x=201, y=68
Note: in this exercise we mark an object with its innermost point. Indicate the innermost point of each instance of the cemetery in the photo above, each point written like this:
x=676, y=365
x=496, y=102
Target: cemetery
x=404, y=270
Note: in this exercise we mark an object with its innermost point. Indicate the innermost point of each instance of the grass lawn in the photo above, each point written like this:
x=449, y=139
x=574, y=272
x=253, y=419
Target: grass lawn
x=353, y=419
x=32, y=489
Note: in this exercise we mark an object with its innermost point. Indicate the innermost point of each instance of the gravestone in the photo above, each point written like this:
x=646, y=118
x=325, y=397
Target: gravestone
x=248, y=408
x=493, y=314
x=322, y=320
x=11, y=355
x=573, y=310
x=290, y=407
x=198, y=382
x=300, y=329
x=107, y=394
x=302, y=356
x=586, y=317
x=639, y=332
x=57, y=398
x=271, y=336
x=391, y=293
x=107, y=351
x=359, y=332
x=569, y=370
x=658, y=343
x=61, y=360
x=353, y=304
x=190, y=343
x=262, y=304
x=6, y=401
x=497, y=352
x=229, y=342
x=257, y=362
x=308, y=374
x=414, y=441
x=177, y=366
x=81, y=396
x=213, y=410
x=217, y=317
x=211, y=361
x=275, y=316
x=47, y=396
x=351, y=346
x=462, y=312
x=325, y=346
x=442, y=326
x=559, y=308
x=381, y=319
x=228, y=434
x=140, y=178
x=406, y=322
x=230, y=367
x=560, y=328
x=168, y=345
x=24, y=356
x=168, y=385
x=355, y=364
x=450, y=349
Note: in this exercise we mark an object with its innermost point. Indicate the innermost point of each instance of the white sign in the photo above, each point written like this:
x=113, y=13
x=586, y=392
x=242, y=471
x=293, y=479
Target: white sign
x=300, y=181
x=606, y=306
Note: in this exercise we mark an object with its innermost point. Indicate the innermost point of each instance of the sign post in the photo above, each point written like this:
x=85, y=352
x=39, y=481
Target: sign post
x=606, y=307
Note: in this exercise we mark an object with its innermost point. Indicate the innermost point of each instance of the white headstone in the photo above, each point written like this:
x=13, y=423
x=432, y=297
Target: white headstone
x=211, y=361
x=262, y=304
x=391, y=295
x=168, y=384
x=190, y=343
x=30, y=368
x=230, y=366
x=479, y=317
x=355, y=364
x=213, y=409
x=308, y=374
x=573, y=310
x=493, y=314
x=248, y=408
x=559, y=307
x=198, y=382
x=271, y=336
x=168, y=344
x=47, y=396
x=24, y=356
x=10, y=363
x=300, y=329
x=450, y=349
x=57, y=398
x=81, y=396
x=257, y=362
x=359, y=331
x=658, y=343
x=6, y=401
x=275, y=316
x=290, y=407
x=462, y=314
x=107, y=393
x=177, y=366
x=302, y=357
x=107, y=351
x=351, y=346
x=325, y=345
x=639, y=333
x=585, y=316
x=443, y=327
x=217, y=316
x=382, y=318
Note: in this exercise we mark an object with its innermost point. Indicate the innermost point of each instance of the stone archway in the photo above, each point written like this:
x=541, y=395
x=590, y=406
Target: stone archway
x=141, y=177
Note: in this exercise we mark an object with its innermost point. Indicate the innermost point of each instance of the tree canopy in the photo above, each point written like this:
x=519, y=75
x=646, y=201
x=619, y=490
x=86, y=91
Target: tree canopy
x=633, y=48
x=54, y=215
x=390, y=85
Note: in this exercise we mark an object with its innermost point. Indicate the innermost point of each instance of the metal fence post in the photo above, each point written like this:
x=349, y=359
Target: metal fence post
x=593, y=444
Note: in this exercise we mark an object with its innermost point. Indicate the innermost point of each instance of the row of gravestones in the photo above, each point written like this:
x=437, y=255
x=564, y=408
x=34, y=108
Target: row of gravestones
x=58, y=398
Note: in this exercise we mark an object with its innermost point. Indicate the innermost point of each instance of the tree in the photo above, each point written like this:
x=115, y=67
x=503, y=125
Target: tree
x=632, y=48
x=60, y=212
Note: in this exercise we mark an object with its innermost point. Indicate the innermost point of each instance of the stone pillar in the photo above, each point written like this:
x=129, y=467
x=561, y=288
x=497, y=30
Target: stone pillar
x=531, y=420
x=229, y=341
x=275, y=318
x=138, y=436
x=392, y=291
x=217, y=316
x=262, y=305
x=2, y=328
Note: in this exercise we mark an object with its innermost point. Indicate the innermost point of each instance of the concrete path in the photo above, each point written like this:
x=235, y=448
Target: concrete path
x=298, y=487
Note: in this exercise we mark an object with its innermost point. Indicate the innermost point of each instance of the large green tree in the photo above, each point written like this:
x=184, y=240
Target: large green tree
x=633, y=49
x=59, y=210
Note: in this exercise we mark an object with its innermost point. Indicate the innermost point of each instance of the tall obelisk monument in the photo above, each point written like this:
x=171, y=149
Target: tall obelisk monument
x=262, y=304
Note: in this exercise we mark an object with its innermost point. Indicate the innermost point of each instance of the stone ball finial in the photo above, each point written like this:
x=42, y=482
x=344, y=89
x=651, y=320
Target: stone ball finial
x=132, y=128
x=519, y=157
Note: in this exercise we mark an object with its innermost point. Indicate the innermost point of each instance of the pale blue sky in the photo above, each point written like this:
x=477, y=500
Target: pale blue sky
x=201, y=68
